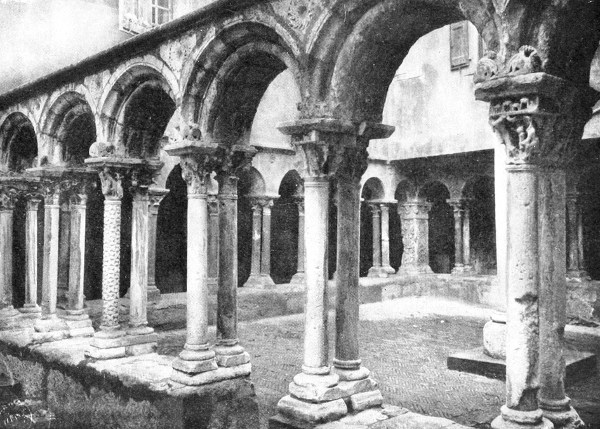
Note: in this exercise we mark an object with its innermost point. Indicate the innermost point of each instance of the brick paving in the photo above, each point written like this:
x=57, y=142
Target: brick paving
x=407, y=355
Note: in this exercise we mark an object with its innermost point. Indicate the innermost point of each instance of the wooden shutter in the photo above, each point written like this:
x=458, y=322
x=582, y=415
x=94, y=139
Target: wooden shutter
x=459, y=45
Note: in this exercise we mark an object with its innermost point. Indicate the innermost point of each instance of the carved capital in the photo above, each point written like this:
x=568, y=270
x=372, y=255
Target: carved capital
x=375, y=209
x=8, y=198
x=155, y=196
x=300, y=203
x=234, y=159
x=414, y=209
x=349, y=163
x=213, y=205
x=195, y=171
x=111, y=180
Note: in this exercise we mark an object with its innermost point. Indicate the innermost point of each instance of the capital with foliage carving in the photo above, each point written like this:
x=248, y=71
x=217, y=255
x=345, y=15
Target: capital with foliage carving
x=8, y=198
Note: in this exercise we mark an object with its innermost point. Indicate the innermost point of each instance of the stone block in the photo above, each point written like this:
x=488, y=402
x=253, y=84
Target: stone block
x=194, y=366
x=140, y=349
x=105, y=353
x=49, y=336
x=228, y=361
x=364, y=400
x=303, y=411
x=211, y=376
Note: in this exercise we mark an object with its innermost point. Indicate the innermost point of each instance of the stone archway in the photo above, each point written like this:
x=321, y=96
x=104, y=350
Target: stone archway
x=479, y=200
x=441, y=227
x=370, y=227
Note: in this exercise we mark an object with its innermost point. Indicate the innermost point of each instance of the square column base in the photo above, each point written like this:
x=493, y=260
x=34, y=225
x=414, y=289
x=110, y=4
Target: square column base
x=380, y=272
x=307, y=413
x=260, y=281
x=463, y=270
x=115, y=344
x=50, y=329
x=414, y=270
x=78, y=323
x=298, y=278
x=219, y=374
x=389, y=269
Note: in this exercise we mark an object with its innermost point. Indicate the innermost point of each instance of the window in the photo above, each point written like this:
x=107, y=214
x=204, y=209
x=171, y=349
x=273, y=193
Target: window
x=459, y=45
x=137, y=16
x=161, y=11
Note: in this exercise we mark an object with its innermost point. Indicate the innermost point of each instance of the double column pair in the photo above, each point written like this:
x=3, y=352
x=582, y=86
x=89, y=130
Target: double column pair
x=539, y=118
x=462, y=236
x=111, y=341
x=381, y=240
x=260, y=271
x=199, y=363
x=332, y=150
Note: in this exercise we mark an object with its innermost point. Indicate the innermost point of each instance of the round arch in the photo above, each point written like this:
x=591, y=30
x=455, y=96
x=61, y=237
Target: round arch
x=18, y=142
x=373, y=189
x=441, y=226
x=137, y=105
x=225, y=81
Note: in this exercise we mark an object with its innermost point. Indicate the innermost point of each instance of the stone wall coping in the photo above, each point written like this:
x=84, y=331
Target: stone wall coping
x=57, y=172
x=123, y=162
x=515, y=86
x=189, y=147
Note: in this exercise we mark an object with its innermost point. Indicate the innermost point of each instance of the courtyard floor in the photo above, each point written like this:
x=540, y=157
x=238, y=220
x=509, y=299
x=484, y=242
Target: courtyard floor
x=405, y=343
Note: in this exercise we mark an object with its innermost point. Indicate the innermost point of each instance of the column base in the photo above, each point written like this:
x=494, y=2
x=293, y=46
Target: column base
x=389, y=269
x=298, y=279
x=260, y=281
x=462, y=270
x=359, y=388
x=10, y=319
x=219, y=374
x=578, y=275
x=414, y=270
x=231, y=356
x=192, y=362
x=107, y=344
x=302, y=411
x=377, y=272
x=512, y=419
x=561, y=414
x=33, y=311
x=494, y=336
x=140, y=340
x=78, y=323
x=50, y=329
x=153, y=294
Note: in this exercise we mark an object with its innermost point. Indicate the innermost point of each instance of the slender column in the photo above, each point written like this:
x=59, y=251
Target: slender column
x=575, y=268
x=63, y=253
x=76, y=318
x=156, y=195
x=103, y=345
x=229, y=352
x=8, y=313
x=457, y=206
x=347, y=362
x=31, y=257
x=196, y=357
x=299, y=277
x=265, y=260
x=50, y=323
x=138, y=290
x=376, y=270
x=553, y=298
x=385, y=238
x=415, y=237
x=255, y=264
x=213, y=243
x=467, y=239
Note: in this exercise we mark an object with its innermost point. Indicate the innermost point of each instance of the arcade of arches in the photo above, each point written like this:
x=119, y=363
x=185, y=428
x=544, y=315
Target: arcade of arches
x=139, y=171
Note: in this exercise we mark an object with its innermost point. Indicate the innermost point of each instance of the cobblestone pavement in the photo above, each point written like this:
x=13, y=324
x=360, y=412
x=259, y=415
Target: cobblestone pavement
x=407, y=355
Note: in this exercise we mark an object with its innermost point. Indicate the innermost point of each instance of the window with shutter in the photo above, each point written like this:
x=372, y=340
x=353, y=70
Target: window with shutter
x=459, y=45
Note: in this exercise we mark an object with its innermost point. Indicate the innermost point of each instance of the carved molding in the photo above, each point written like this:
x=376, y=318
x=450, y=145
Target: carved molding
x=526, y=60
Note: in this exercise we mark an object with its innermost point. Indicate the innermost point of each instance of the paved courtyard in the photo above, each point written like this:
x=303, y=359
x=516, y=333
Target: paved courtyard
x=405, y=344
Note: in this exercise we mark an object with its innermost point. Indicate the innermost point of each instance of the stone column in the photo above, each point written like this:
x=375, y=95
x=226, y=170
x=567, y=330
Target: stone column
x=63, y=252
x=385, y=239
x=376, y=270
x=76, y=318
x=540, y=119
x=106, y=344
x=458, y=209
x=8, y=314
x=265, y=259
x=197, y=357
x=156, y=195
x=255, y=264
x=213, y=243
x=299, y=277
x=229, y=352
x=575, y=266
x=31, y=306
x=362, y=389
x=140, y=336
x=467, y=267
x=50, y=327
x=415, y=237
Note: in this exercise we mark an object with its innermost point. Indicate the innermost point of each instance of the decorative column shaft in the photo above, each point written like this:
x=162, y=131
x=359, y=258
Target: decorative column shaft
x=385, y=238
x=299, y=277
x=540, y=119
x=414, y=216
x=31, y=257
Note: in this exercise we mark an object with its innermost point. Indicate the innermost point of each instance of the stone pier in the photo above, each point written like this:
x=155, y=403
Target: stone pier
x=414, y=215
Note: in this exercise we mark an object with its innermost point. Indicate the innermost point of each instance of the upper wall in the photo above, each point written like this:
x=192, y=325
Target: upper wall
x=38, y=37
x=433, y=107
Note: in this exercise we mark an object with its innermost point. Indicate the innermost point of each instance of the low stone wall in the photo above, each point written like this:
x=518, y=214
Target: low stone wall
x=133, y=392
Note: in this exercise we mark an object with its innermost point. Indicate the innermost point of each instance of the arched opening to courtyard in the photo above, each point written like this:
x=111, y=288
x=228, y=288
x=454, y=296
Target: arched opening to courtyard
x=441, y=227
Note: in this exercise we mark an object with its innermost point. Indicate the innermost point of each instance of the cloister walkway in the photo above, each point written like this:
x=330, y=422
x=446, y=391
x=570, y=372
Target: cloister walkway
x=405, y=342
